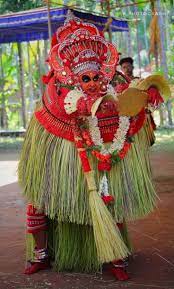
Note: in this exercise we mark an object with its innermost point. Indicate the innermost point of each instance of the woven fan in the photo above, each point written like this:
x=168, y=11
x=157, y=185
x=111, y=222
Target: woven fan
x=157, y=81
x=131, y=101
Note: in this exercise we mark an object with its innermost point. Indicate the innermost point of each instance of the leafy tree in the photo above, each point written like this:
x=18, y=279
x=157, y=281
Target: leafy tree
x=18, y=5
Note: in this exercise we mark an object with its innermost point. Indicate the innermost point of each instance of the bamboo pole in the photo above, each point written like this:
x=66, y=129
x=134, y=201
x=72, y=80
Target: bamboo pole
x=31, y=91
x=137, y=37
x=109, y=23
x=3, y=120
x=156, y=48
x=49, y=20
x=129, y=45
x=39, y=67
x=163, y=58
x=21, y=80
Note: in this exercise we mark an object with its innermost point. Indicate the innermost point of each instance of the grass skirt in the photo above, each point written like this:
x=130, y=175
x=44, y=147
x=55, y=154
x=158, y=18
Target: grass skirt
x=51, y=175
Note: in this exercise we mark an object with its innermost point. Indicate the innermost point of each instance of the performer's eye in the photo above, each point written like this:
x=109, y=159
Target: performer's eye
x=96, y=77
x=86, y=78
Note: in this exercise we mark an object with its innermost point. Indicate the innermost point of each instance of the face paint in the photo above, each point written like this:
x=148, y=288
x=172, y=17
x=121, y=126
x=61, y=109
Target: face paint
x=90, y=82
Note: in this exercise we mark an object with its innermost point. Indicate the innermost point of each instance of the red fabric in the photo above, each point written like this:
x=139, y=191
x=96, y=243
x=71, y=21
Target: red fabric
x=137, y=123
x=154, y=96
x=119, y=273
x=60, y=127
x=36, y=221
x=121, y=87
x=46, y=78
x=54, y=40
x=119, y=270
x=54, y=119
x=82, y=107
x=36, y=267
x=120, y=226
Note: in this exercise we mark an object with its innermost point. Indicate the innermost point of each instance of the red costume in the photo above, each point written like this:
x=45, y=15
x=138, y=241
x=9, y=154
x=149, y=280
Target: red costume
x=79, y=154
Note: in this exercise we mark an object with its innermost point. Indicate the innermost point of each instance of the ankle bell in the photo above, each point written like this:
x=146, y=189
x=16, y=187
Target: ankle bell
x=41, y=255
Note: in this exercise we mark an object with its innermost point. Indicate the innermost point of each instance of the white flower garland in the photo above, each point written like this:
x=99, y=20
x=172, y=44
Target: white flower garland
x=119, y=136
x=103, y=187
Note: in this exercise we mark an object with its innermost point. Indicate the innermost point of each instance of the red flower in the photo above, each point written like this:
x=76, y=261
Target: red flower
x=79, y=144
x=104, y=166
x=108, y=199
x=85, y=161
x=85, y=135
x=124, y=150
x=89, y=143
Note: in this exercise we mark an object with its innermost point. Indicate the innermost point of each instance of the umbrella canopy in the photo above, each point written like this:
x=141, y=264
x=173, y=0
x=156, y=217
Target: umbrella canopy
x=33, y=24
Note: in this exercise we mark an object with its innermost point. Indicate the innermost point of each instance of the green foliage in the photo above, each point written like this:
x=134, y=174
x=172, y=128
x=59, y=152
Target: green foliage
x=9, y=82
x=18, y=5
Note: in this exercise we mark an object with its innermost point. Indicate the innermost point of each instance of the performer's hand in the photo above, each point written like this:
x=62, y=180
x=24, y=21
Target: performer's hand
x=84, y=105
x=108, y=106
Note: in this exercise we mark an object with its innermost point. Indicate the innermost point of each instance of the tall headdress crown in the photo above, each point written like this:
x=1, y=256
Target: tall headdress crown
x=81, y=48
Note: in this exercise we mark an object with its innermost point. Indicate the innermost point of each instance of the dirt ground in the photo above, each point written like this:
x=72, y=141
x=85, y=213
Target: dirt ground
x=152, y=265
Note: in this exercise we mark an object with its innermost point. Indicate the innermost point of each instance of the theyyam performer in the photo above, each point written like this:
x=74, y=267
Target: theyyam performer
x=84, y=165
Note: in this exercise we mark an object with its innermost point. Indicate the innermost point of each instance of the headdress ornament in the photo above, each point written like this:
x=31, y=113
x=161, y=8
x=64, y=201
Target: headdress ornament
x=81, y=48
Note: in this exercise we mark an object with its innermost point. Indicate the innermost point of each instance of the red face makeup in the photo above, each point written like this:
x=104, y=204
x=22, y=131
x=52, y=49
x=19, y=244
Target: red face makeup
x=92, y=83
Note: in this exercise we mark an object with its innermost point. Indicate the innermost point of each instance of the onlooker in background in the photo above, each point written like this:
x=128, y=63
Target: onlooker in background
x=127, y=67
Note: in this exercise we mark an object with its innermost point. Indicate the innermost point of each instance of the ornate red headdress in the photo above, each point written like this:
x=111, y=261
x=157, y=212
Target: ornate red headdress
x=77, y=47
x=81, y=48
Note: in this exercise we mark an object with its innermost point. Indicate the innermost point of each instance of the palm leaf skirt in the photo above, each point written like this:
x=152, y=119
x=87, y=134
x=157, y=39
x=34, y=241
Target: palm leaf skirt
x=51, y=176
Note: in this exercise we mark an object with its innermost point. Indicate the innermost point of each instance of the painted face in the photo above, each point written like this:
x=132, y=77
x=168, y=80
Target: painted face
x=127, y=68
x=90, y=82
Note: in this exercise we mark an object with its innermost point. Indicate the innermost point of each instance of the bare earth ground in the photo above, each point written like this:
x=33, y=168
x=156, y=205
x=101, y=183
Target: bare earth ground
x=152, y=266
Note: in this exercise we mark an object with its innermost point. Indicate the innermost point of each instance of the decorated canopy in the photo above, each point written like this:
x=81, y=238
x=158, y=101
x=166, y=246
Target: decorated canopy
x=33, y=24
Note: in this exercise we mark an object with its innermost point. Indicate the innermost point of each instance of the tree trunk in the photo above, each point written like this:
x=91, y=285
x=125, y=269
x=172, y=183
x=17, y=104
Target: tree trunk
x=31, y=90
x=162, y=117
x=163, y=58
x=3, y=114
x=39, y=67
x=138, y=40
x=169, y=112
x=21, y=80
x=109, y=15
x=45, y=49
x=128, y=34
